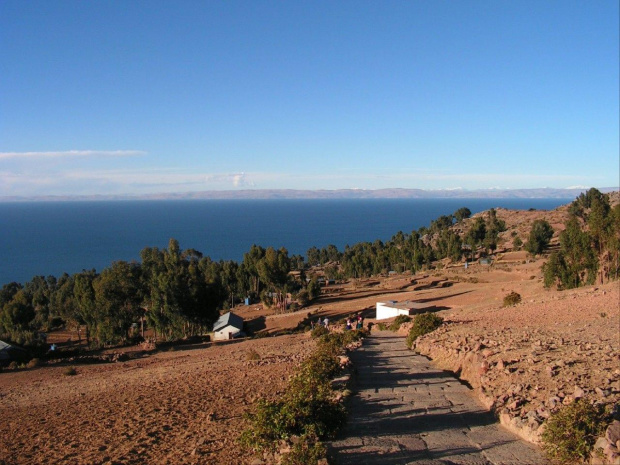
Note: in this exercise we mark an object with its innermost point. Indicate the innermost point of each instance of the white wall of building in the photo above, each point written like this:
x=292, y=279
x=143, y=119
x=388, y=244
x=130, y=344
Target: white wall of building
x=385, y=311
x=225, y=333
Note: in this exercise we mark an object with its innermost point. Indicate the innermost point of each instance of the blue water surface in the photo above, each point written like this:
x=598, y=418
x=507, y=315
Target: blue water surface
x=43, y=238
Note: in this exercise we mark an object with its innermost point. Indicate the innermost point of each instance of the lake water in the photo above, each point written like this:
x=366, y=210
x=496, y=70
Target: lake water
x=46, y=238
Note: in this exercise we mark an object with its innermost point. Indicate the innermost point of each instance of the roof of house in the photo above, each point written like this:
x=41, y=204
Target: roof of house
x=228, y=319
x=407, y=304
x=6, y=349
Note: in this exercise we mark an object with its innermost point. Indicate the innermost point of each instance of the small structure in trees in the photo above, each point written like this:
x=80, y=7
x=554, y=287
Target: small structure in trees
x=392, y=308
x=228, y=326
x=10, y=353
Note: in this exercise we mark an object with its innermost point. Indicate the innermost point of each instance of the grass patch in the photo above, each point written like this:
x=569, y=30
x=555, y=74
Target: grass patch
x=423, y=324
x=570, y=433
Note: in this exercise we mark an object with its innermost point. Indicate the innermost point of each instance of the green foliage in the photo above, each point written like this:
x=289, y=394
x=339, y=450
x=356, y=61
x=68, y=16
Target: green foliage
x=302, y=298
x=381, y=326
x=512, y=299
x=449, y=244
x=399, y=320
x=307, y=450
x=441, y=223
x=539, y=238
x=575, y=263
x=517, y=243
x=318, y=331
x=313, y=289
x=307, y=408
x=461, y=214
x=423, y=324
x=570, y=433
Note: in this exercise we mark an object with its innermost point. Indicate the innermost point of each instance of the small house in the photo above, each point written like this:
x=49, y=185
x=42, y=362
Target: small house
x=228, y=326
x=392, y=308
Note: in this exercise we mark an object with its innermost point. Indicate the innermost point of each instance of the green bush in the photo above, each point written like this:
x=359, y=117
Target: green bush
x=307, y=450
x=381, y=326
x=399, y=320
x=319, y=331
x=512, y=299
x=571, y=432
x=423, y=324
x=307, y=407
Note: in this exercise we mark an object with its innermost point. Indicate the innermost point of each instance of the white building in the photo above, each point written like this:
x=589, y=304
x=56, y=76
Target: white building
x=392, y=308
x=228, y=326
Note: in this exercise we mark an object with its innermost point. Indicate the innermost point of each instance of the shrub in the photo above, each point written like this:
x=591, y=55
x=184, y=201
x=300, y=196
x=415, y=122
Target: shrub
x=423, y=324
x=319, y=331
x=70, y=371
x=512, y=299
x=399, y=320
x=307, y=450
x=571, y=432
x=381, y=326
x=33, y=363
x=307, y=408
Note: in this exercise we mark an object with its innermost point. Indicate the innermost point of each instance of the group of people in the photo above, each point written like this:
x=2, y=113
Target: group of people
x=358, y=320
x=353, y=322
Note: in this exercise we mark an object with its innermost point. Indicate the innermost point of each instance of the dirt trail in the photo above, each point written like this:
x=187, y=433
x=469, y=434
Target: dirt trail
x=406, y=411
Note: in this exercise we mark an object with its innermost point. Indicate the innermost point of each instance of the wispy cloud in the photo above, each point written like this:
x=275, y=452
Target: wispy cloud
x=72, y=154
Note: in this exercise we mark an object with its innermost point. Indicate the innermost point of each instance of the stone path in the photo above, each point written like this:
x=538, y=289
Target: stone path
x=405, y=411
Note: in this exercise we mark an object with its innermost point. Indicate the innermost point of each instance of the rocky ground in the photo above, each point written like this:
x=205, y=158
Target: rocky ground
x=529, y=359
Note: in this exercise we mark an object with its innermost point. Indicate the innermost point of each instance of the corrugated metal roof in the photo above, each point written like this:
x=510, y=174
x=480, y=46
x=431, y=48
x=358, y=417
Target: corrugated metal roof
x=228, y=319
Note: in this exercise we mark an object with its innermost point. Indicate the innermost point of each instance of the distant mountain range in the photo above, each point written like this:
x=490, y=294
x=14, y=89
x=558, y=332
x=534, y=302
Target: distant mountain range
x=543, y=193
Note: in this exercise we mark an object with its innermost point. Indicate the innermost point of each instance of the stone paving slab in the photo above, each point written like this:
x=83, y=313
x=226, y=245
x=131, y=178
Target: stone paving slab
x=407, y=412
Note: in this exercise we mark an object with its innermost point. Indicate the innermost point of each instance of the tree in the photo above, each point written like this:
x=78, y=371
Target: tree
x=118, y=297
x=441, y=223
x=539, y=238
x=575, y=263
x=17, y=314
x=475, y=236
x=313, y=256
x=461, y=214
x=273, y=270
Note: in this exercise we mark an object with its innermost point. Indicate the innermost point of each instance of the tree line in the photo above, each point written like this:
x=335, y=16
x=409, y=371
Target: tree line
x=589, y=244
x=179, y=293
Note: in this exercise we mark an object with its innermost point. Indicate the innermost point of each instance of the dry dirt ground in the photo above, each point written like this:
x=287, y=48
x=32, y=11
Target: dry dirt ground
x=186, y=405
x=181, y=406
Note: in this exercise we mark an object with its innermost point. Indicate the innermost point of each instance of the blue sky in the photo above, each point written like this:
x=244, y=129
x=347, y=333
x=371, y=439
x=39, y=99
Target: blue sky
x=173, y=96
